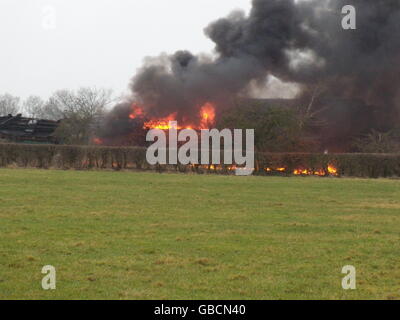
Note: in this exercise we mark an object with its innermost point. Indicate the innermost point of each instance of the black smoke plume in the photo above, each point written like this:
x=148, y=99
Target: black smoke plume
x=296, y=41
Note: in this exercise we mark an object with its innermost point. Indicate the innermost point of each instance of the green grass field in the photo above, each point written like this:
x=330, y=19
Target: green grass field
x=124, y=235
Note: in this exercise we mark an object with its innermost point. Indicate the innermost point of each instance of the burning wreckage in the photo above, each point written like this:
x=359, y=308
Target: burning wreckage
x=348, y=79
x=30, y=130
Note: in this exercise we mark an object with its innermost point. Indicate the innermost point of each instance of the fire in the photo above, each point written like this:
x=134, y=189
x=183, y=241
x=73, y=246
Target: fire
x=97, y=141
x=300, y=171
x=331, y=170
x=137, y=112
x=206, y=119
x=213, y=167
x=207, y=116
x=162, y=124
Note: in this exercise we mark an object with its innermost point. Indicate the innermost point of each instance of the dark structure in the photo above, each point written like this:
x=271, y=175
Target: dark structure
x=20, y=129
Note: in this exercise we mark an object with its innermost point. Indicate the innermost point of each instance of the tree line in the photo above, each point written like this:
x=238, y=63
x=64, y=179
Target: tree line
x=277, y=128
x=80, y=110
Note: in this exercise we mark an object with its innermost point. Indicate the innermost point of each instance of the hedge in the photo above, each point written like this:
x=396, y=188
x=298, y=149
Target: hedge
x=352, y=165
x=118, y=158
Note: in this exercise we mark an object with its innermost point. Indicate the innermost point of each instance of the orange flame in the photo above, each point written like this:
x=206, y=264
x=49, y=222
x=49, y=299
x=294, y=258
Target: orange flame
x=137, y=112
x=331, y=170
x=97, y=141
x=207, y=116
x=162, y=124
x=207, y=119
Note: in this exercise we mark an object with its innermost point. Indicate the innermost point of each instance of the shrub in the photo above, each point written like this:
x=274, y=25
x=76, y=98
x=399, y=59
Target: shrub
x=118, y=158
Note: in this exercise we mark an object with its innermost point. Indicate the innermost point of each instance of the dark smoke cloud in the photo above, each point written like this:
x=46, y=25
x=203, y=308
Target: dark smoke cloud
x=300, y=42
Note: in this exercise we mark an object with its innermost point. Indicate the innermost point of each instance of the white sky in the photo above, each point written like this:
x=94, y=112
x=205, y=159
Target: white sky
x=96, y=43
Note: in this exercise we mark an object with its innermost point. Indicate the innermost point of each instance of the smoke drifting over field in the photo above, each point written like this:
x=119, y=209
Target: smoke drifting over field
x=301, y=42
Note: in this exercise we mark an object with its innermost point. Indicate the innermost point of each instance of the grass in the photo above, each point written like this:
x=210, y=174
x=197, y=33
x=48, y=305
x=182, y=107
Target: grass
x=121, y=235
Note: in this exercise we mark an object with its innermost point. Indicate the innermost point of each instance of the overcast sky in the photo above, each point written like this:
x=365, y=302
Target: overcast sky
x=50, y=45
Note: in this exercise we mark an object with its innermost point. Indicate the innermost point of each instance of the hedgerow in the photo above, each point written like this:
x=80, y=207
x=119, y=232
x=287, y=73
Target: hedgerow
x=122, y=158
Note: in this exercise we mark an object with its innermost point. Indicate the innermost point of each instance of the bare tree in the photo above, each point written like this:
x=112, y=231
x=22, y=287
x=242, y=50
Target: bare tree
x=33, y=107
x=9, y=104
x=86, y=102
x=307, y=111
x=80, y=111
x=378, y=142
x=51, y=110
